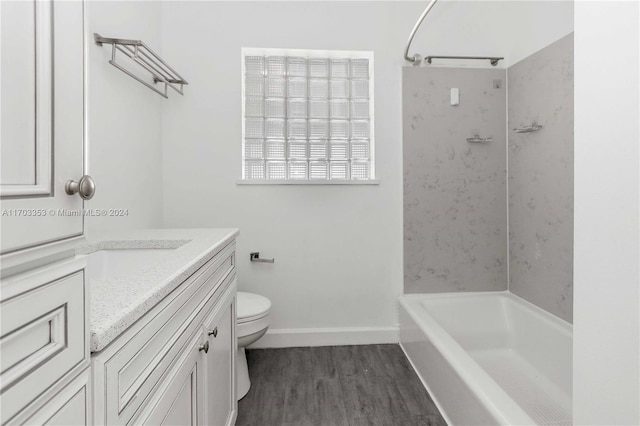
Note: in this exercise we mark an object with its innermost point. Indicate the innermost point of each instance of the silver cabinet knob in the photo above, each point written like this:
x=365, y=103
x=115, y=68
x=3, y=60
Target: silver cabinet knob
x=204, y=347
x=85, y=187
x=213, y=332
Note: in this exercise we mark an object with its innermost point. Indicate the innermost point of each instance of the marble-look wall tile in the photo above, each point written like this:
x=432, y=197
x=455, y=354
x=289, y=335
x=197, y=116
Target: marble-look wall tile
x=455, y=216
x=541, y=178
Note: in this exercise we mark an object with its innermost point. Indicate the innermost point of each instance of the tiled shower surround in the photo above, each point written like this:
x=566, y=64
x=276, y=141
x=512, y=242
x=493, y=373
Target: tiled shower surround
x=456, y=212
x=455, y=219
x=541, y=179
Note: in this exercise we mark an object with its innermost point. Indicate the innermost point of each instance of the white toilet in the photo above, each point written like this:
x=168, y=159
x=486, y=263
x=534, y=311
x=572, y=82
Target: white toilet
x=253, y=321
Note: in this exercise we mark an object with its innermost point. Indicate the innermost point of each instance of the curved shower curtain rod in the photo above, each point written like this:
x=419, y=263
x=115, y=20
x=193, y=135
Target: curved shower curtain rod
x=417, y=59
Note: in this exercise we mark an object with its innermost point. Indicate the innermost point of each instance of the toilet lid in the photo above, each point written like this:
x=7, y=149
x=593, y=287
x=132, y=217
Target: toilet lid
x=250, y=306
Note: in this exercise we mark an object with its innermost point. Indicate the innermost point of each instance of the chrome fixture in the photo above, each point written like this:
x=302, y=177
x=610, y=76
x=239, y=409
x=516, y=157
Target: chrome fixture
x=416, y=59
x=213, y=332
x=85, y=187
x=139, y=52
x=204, y=347
x=254, y=256
x=534, y=127
x=477, y=139
x=493, y=60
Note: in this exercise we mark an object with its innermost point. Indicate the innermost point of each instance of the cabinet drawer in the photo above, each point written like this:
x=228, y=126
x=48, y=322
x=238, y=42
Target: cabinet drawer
x=134, y=365
x=71, y=406
x=44, y=335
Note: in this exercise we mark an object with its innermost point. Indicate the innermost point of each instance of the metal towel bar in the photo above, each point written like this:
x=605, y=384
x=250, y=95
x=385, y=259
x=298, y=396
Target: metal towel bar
x=140, y=53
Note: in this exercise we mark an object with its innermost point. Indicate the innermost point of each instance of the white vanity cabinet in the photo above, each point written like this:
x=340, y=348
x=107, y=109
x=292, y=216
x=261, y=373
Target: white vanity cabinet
x=154, y=371
x=45, y=345
x=200, y=389
x=44, y=342
x=44, y=339
x=176, y=364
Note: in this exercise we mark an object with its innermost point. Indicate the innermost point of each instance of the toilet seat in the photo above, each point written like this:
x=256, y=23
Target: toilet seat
x=251, y=307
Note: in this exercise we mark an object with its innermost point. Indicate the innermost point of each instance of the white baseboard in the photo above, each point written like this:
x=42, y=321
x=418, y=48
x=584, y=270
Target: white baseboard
x=299, y=337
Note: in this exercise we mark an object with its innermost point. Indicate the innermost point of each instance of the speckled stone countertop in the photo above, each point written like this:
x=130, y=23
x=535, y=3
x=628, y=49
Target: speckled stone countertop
x=118, y=302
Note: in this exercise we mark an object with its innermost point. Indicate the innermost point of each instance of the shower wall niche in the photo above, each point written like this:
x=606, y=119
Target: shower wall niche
x=461, y=232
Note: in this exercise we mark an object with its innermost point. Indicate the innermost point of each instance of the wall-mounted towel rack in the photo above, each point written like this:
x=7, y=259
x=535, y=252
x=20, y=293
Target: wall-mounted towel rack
x=477, y=139
x=140, y=53
x=534, y=127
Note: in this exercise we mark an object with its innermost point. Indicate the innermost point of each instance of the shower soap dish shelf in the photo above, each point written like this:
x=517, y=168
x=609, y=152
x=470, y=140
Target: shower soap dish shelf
x=139, y=53
x=477, y=139
x=534, y=127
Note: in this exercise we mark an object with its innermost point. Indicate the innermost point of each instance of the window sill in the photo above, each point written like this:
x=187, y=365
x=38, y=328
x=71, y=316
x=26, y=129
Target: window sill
x=307, y=182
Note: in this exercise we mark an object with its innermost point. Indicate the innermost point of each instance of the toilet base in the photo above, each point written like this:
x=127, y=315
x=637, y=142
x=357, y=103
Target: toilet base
x=242, y=372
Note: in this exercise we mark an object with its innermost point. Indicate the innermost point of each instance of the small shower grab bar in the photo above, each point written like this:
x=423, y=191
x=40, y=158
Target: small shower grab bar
x=477, y=139
x=534, y=127
x=416, y=59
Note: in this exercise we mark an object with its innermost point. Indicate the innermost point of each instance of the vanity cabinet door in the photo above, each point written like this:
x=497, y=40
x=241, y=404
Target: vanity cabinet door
x=180, y=399
x=221, y=401
x=42, y=134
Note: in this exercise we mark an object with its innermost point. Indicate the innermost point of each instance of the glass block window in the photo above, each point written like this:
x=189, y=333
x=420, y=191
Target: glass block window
x=307, y=115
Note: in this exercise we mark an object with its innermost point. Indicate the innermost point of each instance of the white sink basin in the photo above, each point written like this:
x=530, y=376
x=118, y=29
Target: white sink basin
x=110, y=263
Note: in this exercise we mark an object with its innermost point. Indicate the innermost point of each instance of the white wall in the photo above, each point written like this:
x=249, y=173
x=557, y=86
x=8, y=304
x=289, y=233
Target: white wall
x=125, y=148
x=338, y=249
x=125, y=133
x=606, y=245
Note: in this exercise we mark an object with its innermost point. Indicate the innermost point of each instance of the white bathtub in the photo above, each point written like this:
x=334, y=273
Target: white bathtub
x=489, y=358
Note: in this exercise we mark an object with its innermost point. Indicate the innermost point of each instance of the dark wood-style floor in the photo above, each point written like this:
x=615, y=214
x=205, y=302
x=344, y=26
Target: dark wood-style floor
x=335, y=385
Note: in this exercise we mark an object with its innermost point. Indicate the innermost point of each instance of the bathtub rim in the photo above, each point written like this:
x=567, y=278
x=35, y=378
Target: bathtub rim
x=477, y=380
x=561, y=324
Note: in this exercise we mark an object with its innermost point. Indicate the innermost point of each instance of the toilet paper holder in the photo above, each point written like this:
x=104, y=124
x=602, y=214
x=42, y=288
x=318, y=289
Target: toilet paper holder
x=254, y=256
